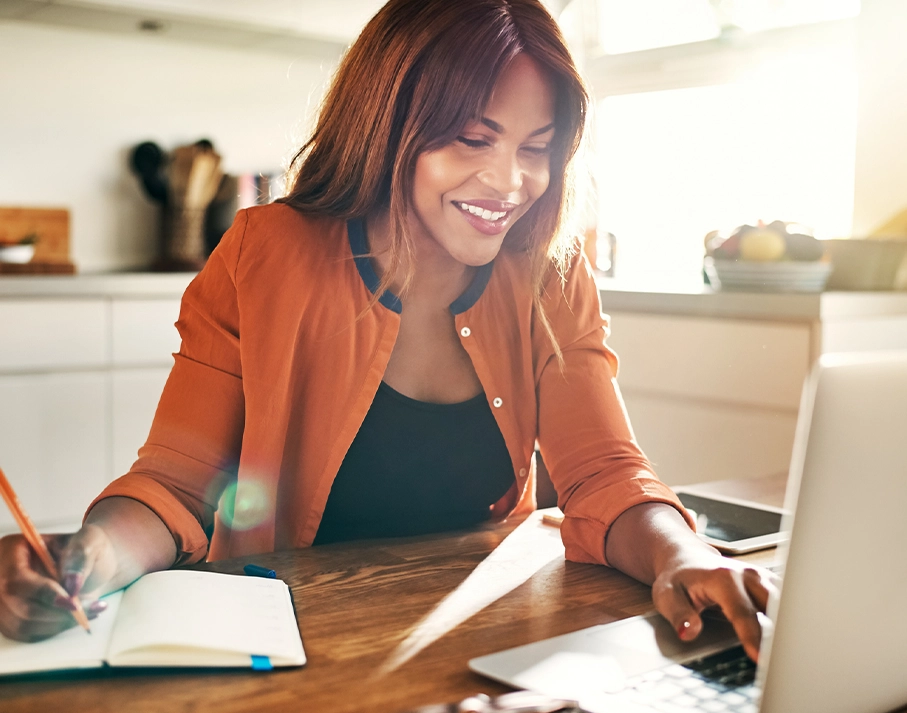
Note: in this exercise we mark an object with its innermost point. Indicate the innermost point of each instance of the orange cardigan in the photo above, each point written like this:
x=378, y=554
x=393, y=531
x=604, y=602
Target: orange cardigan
x=280, y=361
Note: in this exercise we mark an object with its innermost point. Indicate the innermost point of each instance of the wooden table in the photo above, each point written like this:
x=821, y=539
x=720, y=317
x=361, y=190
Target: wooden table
x=386, y=625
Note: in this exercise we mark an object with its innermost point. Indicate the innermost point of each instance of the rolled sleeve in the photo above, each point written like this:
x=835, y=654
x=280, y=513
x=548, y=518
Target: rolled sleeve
x=190, y=538
x=596, y=465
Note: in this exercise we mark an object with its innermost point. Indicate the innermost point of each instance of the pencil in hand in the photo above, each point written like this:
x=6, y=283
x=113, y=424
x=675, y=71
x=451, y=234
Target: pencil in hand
x=37, y=544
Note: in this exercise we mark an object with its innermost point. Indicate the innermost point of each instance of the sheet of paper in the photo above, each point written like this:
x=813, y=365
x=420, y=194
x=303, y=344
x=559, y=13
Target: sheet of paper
x=74, y=648
x=180, y=614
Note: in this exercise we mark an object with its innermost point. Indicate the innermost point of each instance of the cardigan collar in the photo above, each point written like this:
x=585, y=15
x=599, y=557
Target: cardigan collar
x=359, y=246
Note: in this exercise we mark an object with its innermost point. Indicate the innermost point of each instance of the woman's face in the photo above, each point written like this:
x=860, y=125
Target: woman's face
x=468, y=194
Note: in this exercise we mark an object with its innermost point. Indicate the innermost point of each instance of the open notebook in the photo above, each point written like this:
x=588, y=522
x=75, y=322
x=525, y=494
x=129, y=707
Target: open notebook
x=176, y=618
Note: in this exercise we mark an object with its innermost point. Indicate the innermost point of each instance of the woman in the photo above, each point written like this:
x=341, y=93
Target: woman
x=377, y=354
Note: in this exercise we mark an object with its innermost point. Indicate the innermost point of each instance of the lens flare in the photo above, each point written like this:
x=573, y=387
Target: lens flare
x=244, y=505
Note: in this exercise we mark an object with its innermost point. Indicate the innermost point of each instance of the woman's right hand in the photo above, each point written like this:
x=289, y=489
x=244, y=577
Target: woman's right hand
x=33, y=606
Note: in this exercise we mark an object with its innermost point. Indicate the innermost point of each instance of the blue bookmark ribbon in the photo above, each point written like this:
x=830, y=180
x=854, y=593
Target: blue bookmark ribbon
x=261, y=663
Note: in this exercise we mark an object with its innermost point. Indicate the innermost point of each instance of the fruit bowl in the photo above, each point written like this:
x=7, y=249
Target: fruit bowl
x=784, y=276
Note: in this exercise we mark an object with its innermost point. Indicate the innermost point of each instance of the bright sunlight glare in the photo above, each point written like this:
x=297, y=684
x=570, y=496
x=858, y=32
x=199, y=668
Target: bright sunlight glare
x=523, y=552
x=778, y=144
x=625, y=26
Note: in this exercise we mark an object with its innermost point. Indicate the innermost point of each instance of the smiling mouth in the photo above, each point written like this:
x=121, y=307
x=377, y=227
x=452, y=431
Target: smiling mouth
x=487, y=216
x=483, y=213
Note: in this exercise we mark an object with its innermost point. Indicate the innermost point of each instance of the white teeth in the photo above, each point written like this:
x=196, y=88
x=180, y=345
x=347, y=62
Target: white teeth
x=481, y=213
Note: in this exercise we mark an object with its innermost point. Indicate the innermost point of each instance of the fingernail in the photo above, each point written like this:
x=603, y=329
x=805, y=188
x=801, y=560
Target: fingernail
x=97, y=607
x=64, y=603
x=683, y=629
x=72, y=583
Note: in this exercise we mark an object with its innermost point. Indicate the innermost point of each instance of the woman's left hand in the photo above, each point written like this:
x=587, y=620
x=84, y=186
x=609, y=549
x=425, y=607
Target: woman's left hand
x=699, y=580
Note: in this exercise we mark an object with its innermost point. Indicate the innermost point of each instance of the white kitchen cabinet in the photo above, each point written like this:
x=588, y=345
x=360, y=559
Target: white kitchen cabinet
x=53, y=333
x=733, y=361
x=711, y=399
x=82, y=364
x=692, y=440
x=143, y=331
x=885, y=332
x=54, y=443
x=144, y=339
x=712, y=382
x=134, y=398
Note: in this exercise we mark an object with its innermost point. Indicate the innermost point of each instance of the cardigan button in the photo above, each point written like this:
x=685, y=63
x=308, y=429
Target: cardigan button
x=465, y=332
x=498, y=402
x=522, y=472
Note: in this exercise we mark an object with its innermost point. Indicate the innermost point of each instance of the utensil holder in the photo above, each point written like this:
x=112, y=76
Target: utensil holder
x=183, y=238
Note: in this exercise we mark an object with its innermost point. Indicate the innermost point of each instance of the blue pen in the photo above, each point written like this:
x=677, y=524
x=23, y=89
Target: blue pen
x=253, y=570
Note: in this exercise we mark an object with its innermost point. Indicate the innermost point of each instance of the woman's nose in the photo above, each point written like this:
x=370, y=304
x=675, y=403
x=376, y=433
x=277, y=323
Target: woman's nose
x=503, y=173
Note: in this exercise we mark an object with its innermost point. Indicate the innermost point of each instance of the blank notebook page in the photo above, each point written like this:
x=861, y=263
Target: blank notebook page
x=204, y=618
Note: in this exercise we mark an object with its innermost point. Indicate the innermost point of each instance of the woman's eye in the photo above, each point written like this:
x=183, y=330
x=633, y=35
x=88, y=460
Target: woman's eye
x=538, y=150
x=472, y=143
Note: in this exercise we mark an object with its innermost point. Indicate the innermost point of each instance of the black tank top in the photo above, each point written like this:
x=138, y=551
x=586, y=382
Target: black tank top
x=415, y=468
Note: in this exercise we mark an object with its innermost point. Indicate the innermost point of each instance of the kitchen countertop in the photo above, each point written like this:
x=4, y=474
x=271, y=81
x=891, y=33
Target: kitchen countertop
x=106, y=284
x=617, y=296
x=695, y=300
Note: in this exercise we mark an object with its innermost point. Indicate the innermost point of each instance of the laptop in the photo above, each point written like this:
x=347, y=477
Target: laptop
x=835, y=641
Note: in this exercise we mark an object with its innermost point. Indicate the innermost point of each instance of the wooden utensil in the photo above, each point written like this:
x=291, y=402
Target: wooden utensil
x=194, y=177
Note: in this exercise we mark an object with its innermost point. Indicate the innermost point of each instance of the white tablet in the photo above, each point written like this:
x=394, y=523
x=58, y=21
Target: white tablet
x=733, y=525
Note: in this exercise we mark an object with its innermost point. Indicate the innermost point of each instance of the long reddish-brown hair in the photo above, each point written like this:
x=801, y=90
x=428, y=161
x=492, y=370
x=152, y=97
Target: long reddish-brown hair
x=417, y=74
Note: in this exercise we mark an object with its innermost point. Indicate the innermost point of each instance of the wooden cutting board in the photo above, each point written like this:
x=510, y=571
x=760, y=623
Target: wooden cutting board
x=50, y=226
x=37, y=268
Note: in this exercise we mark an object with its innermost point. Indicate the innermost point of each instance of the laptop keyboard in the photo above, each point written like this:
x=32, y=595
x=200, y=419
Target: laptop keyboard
x=722, y=682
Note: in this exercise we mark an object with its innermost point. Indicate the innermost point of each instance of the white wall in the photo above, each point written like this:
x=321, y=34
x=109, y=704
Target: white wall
x=880, y=189
x=73, y=103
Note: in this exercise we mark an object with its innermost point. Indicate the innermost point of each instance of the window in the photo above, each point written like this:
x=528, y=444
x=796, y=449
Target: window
x=718, y=132
x=634, y=25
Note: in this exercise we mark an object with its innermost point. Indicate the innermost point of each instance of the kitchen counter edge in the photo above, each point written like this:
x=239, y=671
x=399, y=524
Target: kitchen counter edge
x=616, y=296
x=113, y=284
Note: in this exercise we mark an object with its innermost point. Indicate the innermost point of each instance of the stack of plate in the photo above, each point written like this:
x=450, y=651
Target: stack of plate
x=790, y=276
